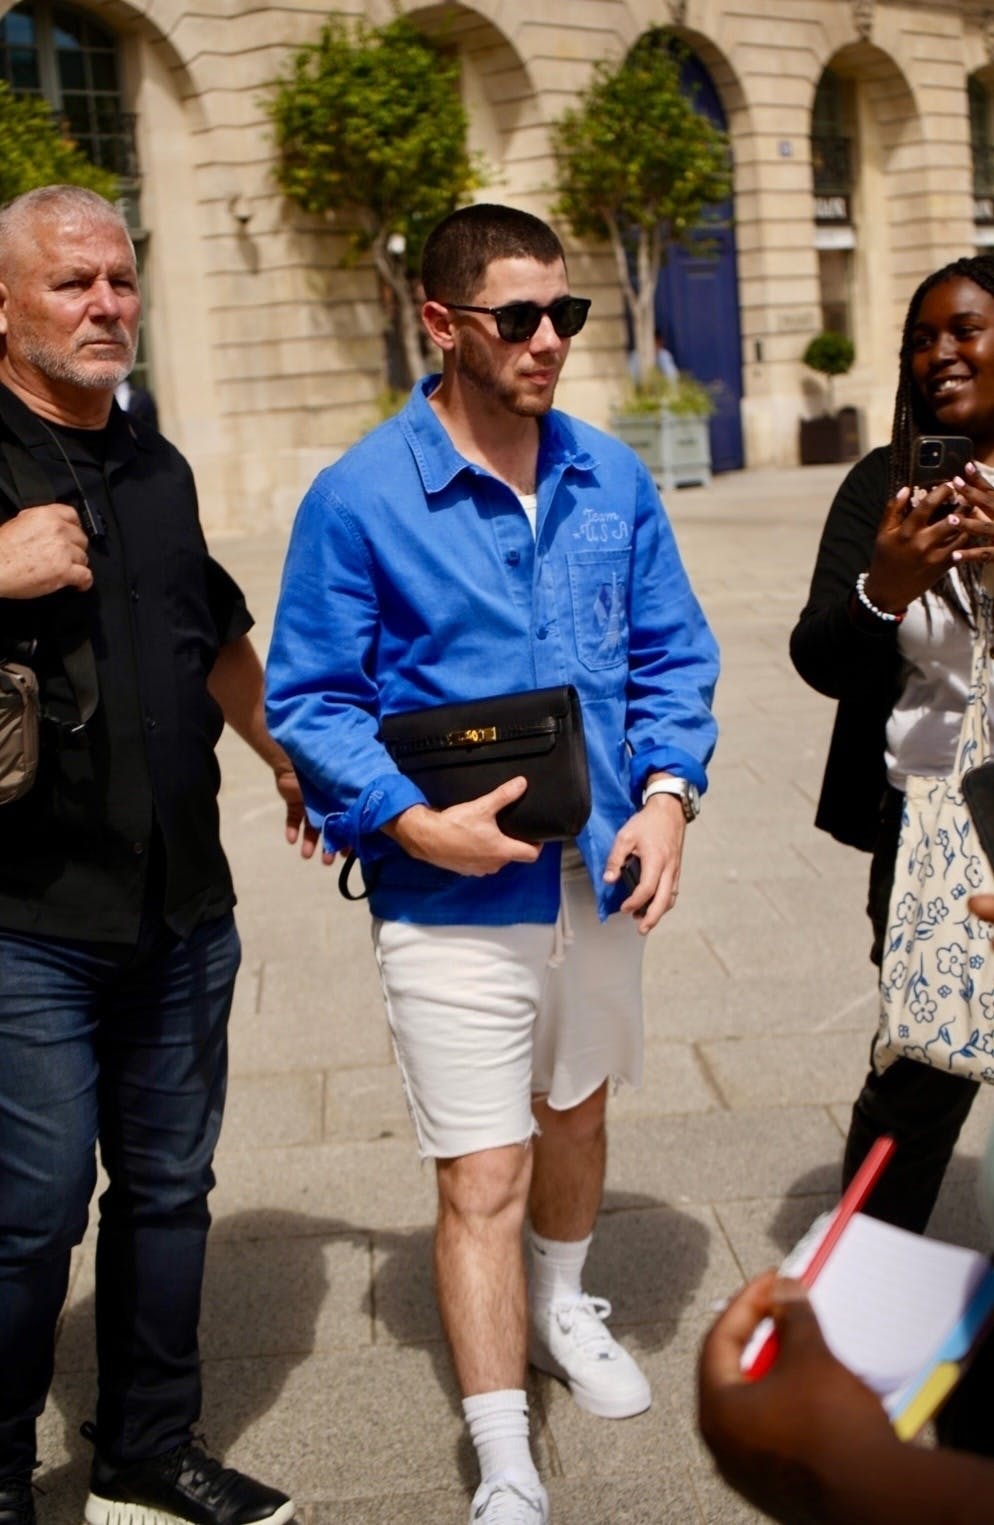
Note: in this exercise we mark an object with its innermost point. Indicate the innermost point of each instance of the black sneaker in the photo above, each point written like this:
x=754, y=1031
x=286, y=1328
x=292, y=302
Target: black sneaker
x=185, y=1484
x=17, y=1501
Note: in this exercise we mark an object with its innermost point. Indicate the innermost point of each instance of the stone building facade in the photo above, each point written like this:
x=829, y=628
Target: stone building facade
x=862, y=140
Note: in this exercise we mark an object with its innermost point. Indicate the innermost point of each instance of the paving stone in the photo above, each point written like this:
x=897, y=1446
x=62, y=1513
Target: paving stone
x=264, y=1111
x=279, y=929
x=674, y=1081
x=780, y=1072
x=292, y=1295
x=657, y=1264
x=387, y=1421
x=445, y=1508
x=812, y=898
x=722, y=1155
x=368, y=1104
x=761, y=1233
x=322, y=1011
x=759, y=944
x=404, y=1303
x=685, y=1001
x=353, y=1186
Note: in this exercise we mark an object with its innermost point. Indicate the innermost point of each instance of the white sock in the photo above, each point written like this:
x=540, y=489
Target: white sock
x=498, y=1428
x=556, y=1270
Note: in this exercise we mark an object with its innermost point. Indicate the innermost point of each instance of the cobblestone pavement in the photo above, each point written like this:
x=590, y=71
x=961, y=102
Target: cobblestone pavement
x=325, y=1368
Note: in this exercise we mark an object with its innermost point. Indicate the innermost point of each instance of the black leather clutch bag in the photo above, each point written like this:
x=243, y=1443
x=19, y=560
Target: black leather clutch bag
x=456, y=752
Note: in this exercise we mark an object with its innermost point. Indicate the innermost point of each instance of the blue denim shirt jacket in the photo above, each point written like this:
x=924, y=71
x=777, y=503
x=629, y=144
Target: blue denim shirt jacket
x=413, y=578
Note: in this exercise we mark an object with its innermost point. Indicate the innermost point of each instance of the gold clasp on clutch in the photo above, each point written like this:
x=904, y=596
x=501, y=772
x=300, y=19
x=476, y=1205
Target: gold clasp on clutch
x=464, y=738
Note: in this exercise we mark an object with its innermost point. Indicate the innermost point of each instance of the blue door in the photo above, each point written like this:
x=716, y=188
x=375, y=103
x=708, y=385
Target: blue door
x=697, y=302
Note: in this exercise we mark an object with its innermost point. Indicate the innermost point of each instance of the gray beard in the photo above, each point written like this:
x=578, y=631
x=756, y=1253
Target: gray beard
x=58, y=366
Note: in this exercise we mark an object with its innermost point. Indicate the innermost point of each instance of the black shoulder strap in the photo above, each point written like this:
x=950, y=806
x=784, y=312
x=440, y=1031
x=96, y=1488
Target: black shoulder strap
x=348, y=864
x=32, y=487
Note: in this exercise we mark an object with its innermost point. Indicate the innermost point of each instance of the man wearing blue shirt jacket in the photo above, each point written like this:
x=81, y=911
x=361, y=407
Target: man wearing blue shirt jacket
x=481, y=542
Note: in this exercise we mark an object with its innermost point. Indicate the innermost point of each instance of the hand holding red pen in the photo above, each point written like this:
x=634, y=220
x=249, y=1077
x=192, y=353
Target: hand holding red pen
x=777, y=1440
x=811, y=1445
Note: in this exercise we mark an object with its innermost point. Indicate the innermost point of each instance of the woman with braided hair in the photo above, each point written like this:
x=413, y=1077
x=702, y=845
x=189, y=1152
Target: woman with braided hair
x=887, y=632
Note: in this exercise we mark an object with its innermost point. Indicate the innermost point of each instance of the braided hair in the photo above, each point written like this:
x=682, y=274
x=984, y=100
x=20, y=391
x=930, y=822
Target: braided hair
x=912, y=416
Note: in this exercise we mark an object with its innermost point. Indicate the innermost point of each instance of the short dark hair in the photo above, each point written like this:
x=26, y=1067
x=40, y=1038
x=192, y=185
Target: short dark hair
x=459, y=249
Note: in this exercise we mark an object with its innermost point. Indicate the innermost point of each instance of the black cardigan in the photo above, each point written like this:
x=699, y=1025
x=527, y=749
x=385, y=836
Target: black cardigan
x=850, y=659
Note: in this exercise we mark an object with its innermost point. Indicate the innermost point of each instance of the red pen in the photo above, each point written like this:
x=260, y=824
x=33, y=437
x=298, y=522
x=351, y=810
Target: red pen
x=852, y=1200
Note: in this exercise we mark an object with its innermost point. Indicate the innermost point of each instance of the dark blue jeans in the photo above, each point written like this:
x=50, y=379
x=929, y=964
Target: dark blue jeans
x=126, y=1046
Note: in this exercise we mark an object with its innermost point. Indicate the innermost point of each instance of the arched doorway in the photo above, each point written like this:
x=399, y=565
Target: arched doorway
x=697, y=300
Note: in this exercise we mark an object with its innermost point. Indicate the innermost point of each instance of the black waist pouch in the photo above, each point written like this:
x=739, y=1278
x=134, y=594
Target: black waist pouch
x=456, y=752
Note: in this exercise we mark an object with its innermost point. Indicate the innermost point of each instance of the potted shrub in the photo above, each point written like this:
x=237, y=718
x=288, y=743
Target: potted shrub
x=831, y=436
x=666, y=423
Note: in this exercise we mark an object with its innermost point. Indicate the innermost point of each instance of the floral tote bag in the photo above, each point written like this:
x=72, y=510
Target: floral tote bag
x=937, y=974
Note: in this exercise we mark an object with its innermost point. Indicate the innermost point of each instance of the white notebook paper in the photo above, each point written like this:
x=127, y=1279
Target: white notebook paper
x=894, y=1306
x=887, y=1299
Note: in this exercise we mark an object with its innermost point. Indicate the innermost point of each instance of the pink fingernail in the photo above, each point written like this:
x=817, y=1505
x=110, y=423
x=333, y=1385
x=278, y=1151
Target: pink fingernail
x=958, y=482
x=953, y=519
x=957, y=556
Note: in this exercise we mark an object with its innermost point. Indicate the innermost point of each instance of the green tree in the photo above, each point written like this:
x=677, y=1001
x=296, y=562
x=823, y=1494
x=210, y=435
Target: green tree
x=637, y=164
x=370, y=126
x=35, y=151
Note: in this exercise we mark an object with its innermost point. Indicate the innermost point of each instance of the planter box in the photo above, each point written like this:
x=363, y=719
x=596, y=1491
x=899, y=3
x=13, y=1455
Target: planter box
x=676, y=447
x=833, y=437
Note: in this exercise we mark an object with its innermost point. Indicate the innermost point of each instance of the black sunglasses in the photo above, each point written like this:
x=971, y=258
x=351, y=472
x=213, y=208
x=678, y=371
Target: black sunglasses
x=518, y=321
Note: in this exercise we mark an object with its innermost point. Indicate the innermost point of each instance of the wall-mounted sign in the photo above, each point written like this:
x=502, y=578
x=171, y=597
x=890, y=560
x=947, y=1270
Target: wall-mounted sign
x=796, y=320
x=830, y=209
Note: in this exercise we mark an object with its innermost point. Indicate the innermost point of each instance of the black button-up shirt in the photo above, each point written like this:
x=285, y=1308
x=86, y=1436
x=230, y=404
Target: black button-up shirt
x=75, y=851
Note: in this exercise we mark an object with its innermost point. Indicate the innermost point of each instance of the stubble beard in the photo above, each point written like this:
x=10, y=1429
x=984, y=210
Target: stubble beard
x=58, y=365
x=476, y=367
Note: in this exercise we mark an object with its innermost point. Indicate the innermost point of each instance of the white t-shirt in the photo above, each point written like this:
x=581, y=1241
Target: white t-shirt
x=529, y=502
x=924, y=725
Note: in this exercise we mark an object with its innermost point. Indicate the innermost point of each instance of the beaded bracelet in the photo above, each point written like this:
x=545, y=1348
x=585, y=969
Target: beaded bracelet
x=881, y=614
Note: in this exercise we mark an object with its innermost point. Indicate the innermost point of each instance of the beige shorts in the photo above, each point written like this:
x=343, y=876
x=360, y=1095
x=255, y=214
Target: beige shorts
x=485, y=1018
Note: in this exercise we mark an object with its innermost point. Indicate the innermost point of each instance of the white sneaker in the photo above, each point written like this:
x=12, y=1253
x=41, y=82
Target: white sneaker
x=571, y=1342
x=504, y=1500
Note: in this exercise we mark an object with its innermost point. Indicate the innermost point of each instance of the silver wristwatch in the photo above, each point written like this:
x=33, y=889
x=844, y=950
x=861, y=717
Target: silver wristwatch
x=686, y=792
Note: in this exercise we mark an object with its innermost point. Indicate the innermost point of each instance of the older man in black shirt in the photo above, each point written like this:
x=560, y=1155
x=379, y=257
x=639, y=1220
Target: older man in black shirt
x=118, y=949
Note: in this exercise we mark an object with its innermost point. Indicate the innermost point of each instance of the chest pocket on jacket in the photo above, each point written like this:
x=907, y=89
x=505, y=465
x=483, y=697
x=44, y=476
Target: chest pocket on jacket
x=598, y=582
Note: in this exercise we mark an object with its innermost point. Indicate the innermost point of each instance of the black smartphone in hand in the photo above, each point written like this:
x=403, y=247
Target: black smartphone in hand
x=631, y=873
x=938, y=458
